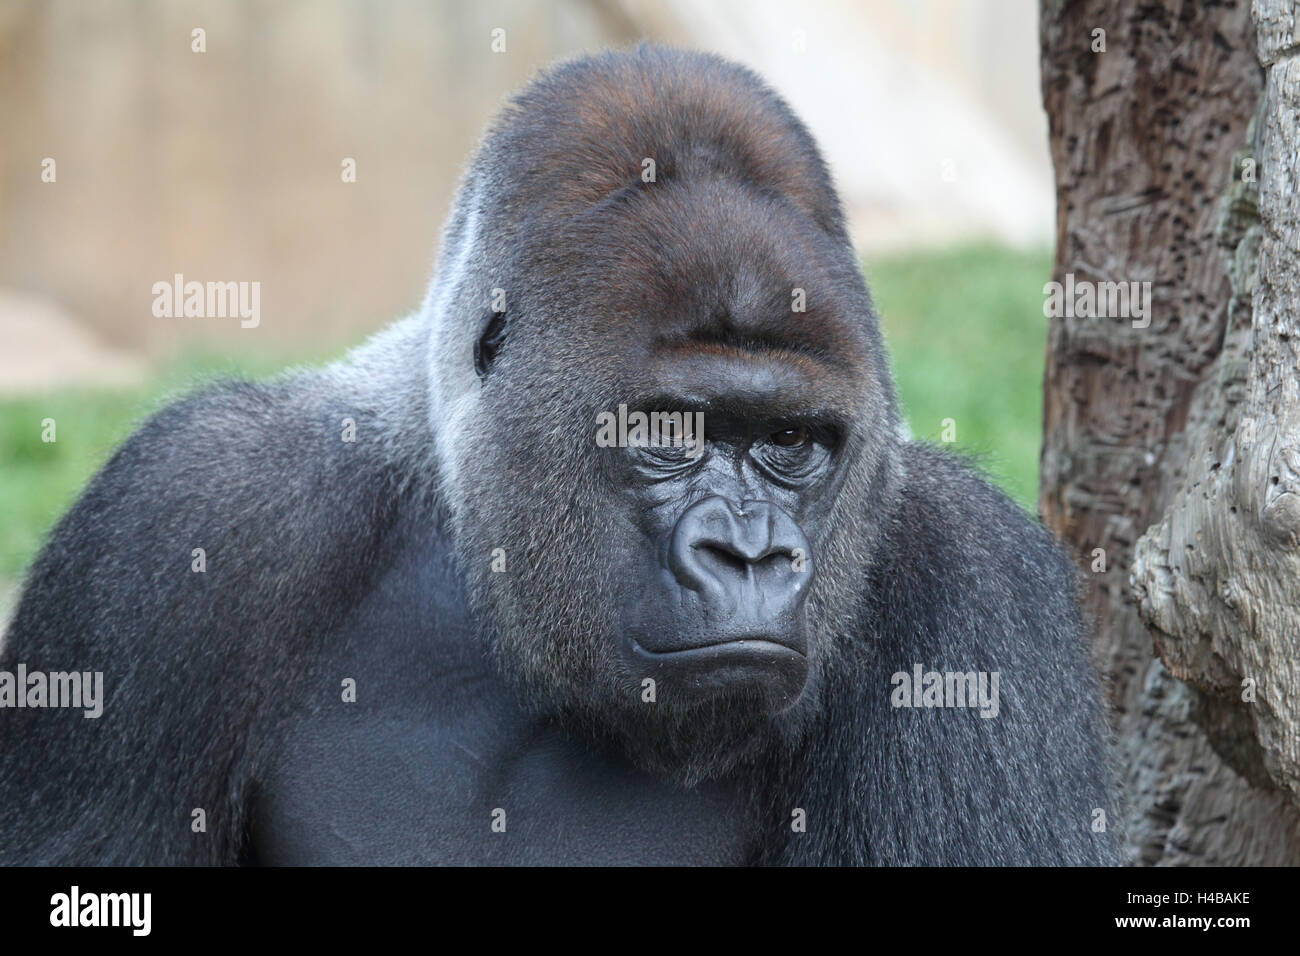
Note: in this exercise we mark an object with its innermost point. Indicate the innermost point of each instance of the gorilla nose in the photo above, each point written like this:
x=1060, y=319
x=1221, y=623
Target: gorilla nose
x=750, y=557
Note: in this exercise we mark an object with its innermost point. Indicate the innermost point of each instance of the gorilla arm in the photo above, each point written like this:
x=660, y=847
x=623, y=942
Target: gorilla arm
x=286, y=512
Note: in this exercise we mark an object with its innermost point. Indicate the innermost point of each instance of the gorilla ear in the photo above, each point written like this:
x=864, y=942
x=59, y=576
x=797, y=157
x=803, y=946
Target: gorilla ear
x=485, y=349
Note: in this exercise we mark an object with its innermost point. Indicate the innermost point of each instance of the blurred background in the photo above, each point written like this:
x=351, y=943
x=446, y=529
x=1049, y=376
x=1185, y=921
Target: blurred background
x=225, y=164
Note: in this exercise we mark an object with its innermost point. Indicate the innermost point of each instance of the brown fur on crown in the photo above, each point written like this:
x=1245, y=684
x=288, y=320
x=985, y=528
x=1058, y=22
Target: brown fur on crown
x=580, y=131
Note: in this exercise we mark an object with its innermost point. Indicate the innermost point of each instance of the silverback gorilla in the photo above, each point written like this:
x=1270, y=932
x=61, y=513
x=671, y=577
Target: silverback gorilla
x=435, y=620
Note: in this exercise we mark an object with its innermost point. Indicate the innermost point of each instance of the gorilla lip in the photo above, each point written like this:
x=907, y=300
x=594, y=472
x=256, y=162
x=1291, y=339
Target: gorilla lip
x=778, y=671
x=760, y=645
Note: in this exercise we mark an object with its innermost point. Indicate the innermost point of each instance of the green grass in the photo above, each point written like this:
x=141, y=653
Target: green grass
x=967, y=336
x=965, y=329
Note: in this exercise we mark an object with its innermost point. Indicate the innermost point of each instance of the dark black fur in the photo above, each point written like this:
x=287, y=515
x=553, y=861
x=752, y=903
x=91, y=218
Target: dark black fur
x=368, y=560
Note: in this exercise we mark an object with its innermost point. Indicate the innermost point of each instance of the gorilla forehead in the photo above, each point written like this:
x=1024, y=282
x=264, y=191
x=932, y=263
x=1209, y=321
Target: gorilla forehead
x=698, y=282
x=702, y=258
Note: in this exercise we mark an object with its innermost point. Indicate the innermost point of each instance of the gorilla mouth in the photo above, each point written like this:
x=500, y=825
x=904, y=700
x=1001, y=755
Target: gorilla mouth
x=760, y=645
x=760, y=666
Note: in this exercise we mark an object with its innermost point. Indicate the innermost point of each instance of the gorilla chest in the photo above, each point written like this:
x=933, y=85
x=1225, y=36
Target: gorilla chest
x=478, y=788
x=433, y=761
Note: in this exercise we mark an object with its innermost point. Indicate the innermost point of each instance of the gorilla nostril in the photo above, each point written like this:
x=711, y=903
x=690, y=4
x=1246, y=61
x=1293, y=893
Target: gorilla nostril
x=725, y=557
x=778, y=559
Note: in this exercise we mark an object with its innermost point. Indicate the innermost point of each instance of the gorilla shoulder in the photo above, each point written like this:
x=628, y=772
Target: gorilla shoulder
x=212, y=505
x=977, y=584
x=964, y=537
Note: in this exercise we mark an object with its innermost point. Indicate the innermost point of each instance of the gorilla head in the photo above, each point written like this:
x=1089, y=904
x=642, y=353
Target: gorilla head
x=656, y=230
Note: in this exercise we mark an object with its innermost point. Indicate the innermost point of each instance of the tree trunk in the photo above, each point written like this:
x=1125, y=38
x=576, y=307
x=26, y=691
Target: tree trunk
x=1175, y=447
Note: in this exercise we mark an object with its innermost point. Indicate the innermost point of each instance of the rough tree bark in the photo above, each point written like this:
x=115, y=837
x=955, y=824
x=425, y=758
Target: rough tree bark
x=1175, y=448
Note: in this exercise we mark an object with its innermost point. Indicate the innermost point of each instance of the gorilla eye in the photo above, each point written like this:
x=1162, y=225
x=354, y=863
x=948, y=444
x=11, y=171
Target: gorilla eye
x=793, y=455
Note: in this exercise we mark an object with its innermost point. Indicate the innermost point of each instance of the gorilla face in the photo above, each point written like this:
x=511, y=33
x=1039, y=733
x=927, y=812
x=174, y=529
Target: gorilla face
x=724, y=563
x=732, y=577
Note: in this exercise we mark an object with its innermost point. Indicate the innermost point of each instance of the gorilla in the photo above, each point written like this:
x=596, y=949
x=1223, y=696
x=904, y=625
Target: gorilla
x=409, y=609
